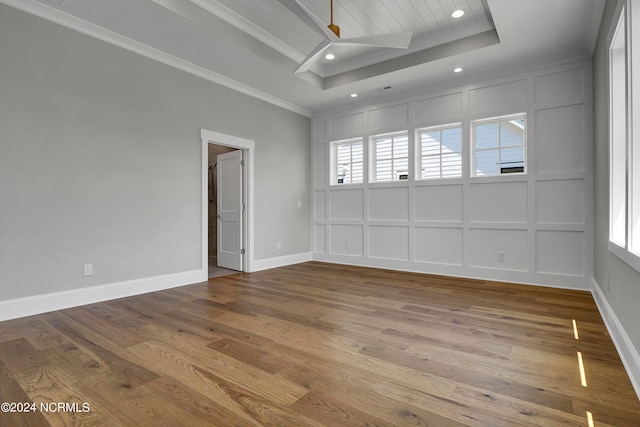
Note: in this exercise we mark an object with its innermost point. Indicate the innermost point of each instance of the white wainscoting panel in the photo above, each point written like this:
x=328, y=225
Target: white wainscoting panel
x=497, y=97
x=559, y=87
x=387, y=117
x=321, y=169
x=484, y=245
x=346, y=126
x=461, y=226
x=389, y=242
x=560, y=201
x=319, y=130
x=497, y=202
x=320, y=238
x=560, y=252
x=391, y=204
x=438, y=203
x=560, y=137
x=347, y=204
x=320, y=205
x=346, y=239
x=439, y=109
x=438, y=245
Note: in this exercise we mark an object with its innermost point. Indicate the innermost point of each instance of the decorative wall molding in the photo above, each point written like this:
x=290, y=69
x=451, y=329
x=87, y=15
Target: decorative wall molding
x=533, y=228
x=28, y=306
x=66, y=20
x=628, y=353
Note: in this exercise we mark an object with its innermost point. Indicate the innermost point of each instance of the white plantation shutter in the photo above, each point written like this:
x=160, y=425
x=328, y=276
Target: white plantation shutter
x=349, y=158
x=440, y=152
x=391, y=157
x=499, y=145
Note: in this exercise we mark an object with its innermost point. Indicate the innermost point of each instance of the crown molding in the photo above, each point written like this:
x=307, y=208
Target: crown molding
x=230, y=16
x=74, y=23
x=243, y=24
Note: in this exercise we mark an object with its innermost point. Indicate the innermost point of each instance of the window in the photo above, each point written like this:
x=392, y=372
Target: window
x=348, y=161
x=390, y=157
x=499, y=145
x=624, y=136
x=440, y=152
x=618, y=136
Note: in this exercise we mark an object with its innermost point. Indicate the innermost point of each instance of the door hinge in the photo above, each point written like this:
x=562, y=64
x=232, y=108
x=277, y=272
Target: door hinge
x=241, y=162
x=241, y=251
x=244, y=207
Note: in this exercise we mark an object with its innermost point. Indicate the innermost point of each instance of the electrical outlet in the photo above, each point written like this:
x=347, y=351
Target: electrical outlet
x=88, y=269
x=347, y=245
x=500, y=256
x=278, y=245
x=299, y=203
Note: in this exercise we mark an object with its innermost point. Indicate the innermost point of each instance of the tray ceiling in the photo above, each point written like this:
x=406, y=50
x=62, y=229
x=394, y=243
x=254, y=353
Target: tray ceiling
x=254, y=46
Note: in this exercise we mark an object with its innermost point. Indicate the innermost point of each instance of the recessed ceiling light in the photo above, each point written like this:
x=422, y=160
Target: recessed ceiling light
x=330, y=56
x=457, y=70
x=354, y=95
x=457, y=13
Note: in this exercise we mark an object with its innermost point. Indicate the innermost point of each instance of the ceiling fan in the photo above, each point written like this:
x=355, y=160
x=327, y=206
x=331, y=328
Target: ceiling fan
x=331, y=34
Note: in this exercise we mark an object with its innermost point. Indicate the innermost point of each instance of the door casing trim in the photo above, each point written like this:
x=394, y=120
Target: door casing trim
x=248, y=148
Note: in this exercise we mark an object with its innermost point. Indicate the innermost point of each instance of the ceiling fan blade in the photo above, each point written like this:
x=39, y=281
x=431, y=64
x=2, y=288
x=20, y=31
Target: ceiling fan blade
x=313, y=56
x=396, y=40
x=309, y=18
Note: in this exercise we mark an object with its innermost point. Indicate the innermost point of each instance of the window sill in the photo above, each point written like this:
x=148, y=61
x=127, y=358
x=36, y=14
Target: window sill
x=348, y=185
x=629, y=258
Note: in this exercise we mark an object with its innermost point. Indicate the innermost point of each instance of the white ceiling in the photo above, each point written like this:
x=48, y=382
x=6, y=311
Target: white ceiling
x=429, y=20
x=254, y=45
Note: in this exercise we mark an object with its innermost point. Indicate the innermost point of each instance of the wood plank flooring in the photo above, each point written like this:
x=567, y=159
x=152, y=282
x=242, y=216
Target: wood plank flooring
x=318, y=344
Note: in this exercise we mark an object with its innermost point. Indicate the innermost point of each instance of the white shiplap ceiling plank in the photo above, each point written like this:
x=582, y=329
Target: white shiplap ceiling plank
x=431, y=26
x=472, y=12
x=397, y=12
x=370, y=16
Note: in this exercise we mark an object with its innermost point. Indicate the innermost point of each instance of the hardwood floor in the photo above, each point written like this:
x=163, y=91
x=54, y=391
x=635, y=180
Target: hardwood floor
x=320, y=345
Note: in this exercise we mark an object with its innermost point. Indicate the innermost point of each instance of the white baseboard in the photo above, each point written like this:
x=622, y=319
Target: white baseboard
x=28, y=306
x=281, y=261
x=469, y=272
x=628, y=353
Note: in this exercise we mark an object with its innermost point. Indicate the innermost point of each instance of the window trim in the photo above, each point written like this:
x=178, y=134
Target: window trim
x=420, y=156
x=497, y=119
x=628, y=14
x=612, y=130
x=373, y=158
x=333, y=178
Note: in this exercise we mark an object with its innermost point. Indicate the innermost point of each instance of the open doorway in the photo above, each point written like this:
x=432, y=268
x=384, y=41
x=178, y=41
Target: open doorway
x=215, y=269
x=227, y=176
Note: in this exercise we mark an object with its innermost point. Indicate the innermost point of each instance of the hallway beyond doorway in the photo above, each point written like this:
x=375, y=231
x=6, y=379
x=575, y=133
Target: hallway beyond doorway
x=215, y=271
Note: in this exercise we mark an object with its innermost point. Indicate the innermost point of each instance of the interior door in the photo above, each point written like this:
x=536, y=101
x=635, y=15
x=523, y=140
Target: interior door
x=230, y=210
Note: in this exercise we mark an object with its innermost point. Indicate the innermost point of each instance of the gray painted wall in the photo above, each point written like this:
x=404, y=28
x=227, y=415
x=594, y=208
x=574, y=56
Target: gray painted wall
x=100, y=162
x=623, y=289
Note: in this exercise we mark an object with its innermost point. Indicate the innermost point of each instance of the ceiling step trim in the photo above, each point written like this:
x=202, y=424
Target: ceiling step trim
x=243, y=24
x=69, y=21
